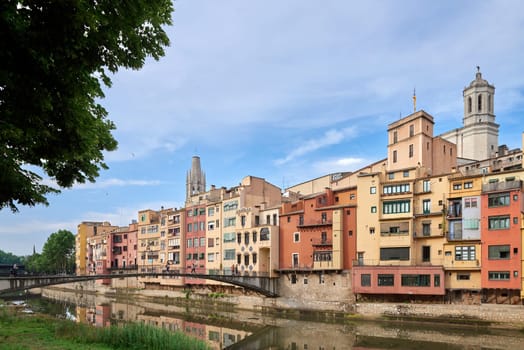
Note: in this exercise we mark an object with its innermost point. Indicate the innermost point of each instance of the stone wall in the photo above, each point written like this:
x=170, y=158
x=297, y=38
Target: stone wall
x=485, y=312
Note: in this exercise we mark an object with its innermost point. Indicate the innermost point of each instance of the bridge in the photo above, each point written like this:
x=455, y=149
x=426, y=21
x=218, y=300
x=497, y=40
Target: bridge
x=264, y=285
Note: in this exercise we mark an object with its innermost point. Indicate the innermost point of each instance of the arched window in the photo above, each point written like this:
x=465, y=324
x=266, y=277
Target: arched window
x=469, y=104
x=479, y=107
x=489, y=103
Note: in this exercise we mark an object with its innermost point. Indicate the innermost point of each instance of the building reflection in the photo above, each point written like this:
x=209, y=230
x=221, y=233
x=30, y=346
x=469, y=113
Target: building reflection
x=114, y=313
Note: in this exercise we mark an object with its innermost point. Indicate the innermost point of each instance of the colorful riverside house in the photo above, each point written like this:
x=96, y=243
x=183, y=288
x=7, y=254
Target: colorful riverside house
x=256, y=227
x=149, y=241
x=91, y=246
x=195, y=219
x=501, y=227
x=317, y=234
x=123, y=247
x=462, y=250
x=400, y=226
x=230, y=204
x=175, y=247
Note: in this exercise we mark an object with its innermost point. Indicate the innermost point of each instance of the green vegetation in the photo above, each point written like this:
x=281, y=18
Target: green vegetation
x=56, y=57
x=43, y=332
x=9, y=258
x=58, y=254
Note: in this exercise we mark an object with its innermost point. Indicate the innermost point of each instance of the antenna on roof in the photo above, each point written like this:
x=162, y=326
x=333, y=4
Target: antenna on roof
x=414, y=100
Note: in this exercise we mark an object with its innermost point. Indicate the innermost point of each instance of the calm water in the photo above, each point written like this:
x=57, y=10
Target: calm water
x=225, y=328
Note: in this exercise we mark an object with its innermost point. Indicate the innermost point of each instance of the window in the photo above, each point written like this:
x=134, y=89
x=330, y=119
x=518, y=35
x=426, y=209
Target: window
x=239, y=259
x=436, y=280
x=415, y=280
x=229, y=237
x=246, y=238
x=384, y=280
x=498, y=275
x=210, y=211
x=497, y=252
x=210, y=225
x=296, y=237
x=394, y=189
x=394, y=156
x=470, y=202
x=373, y=209
x=243, y=220
x=239, y=238
x=426, y=186
x=365, y=280
x=411, y=130
x=470, y=224
x=457, y=186
x=264, y=234
x=246, y=260
x=229, y=254
x=395, y=207
x=189, y=243
x=463, y=276
x=465, y=253
x=254, y=236
x=411, y=151
x=406, y=173
x=479, y=104
x=391, y=176
x=301, y=219
x=469, y=104
x=294, y=258
x=210, y=257
x=324, y=218
x=371, y=230
x=372, y=190
x=395, y=137
x=426, y=206
x=498, y=222
x=426, y=256
x=400, y=253
x=195, y=242
x=254, y=258
x=468, y=184
x=498, y=200
x=426, y=229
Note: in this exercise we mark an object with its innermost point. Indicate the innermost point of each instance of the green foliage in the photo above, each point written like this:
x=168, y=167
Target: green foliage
x=41, y=332
x=58, y=254
x=56, y=55
x=9, y=258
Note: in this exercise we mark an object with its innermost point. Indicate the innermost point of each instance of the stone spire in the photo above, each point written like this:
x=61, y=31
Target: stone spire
x=196, y=179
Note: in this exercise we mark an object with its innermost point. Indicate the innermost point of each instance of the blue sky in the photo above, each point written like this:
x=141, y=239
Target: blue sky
x=287, y=91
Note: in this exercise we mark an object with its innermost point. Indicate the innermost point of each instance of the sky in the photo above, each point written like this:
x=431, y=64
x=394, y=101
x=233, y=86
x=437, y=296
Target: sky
x=287, y=91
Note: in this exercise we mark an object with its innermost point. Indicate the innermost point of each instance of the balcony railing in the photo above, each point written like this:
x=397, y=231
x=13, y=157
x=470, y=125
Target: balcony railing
x=315, y=223
x=322, y=242
x=501, y=186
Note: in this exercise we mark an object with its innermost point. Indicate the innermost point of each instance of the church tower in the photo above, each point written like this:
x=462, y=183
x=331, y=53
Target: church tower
x=196, y=179
x=479, y=135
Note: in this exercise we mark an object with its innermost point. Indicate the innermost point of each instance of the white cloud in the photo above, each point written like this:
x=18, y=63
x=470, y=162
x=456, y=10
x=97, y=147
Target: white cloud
x=106, y=183
x=339, y=165
x=330, y=137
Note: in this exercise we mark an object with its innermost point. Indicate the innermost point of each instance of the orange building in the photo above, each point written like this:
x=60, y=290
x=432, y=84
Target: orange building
x=502, y=206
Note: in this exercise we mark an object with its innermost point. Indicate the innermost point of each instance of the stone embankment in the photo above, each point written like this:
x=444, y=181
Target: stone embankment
x=493, y=315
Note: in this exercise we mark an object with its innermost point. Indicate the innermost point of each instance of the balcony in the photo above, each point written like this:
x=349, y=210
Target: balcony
x=322, y=242
x=313, y=223
x=502, y=186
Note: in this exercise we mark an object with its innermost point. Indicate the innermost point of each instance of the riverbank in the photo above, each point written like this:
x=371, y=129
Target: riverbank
x=23, y=330
x=483, y=315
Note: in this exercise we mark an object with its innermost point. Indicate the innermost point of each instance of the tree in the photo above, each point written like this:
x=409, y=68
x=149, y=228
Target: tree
x=58, y=253
x=55, y=56
x=9, y=258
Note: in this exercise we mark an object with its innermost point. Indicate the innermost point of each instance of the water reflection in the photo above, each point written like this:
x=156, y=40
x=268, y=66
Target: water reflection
x=224, y=327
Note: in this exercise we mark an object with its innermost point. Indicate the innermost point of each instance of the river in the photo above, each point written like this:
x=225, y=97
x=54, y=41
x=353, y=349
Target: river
x=225, y=327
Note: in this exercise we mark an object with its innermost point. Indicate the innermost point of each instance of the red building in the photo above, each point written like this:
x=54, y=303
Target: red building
x=316, y=233
x=195, y=240
x=502, y=206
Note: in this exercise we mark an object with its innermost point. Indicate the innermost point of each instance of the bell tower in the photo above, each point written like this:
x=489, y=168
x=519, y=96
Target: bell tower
x=196, y=179
x=478, y=138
